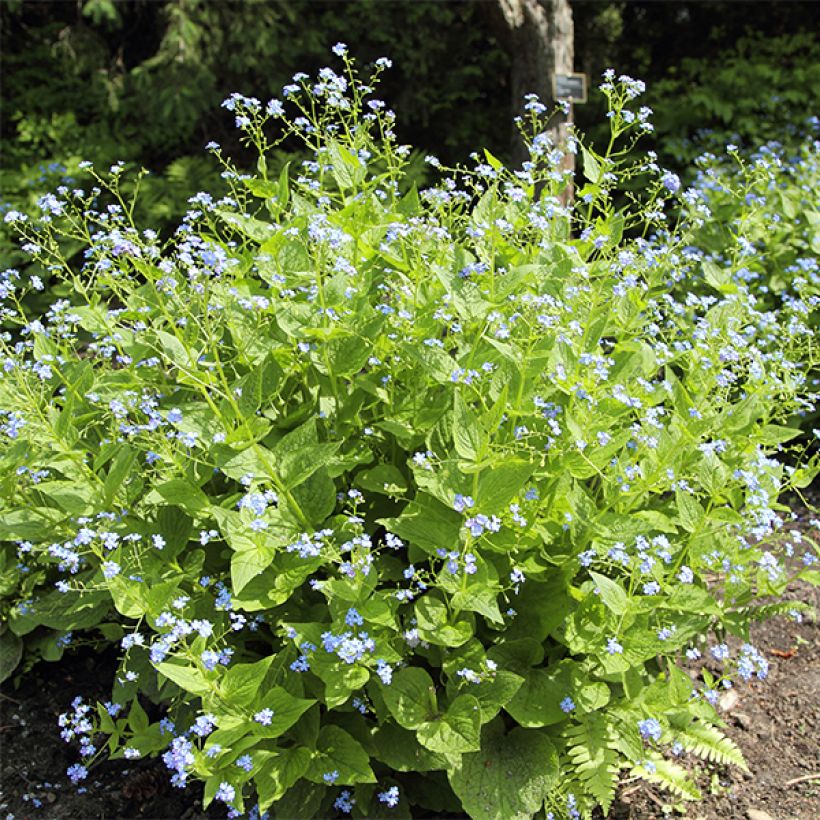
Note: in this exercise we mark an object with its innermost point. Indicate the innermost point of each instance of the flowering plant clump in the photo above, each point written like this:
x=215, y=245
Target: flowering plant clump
x=768, y=203
x=399, y=498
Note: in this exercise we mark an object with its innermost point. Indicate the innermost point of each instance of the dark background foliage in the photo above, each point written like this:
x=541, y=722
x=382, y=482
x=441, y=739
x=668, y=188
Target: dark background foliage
x=142, y=80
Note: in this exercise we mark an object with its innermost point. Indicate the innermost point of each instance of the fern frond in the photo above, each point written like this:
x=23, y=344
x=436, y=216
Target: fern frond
x=710, y=743
x=595, y=763
x=669, y=776
x=766, y=611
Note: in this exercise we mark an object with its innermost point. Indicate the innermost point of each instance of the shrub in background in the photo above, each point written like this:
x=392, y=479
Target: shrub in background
x=399, y=501
x=762, y=88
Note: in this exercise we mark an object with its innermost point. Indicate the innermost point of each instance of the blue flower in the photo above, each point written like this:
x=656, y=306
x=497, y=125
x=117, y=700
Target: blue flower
x=613, y=647
x=567, y=704
x=344, y=802
x=462, y=502
x=650, y=729
x=720, y=652
x=390, y=797
x=110, y=569
x=353, y=618
x=225, y=793
x=384, y=671
x=203, y=725
x=671, y=182
x=264, y=717
x=77, y=772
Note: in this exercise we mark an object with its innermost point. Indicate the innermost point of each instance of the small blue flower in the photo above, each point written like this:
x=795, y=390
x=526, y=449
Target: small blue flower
x=671, y=182
x=384, y=671
x=613, y=647
x=720, y=652
x=390, y=797
x=567, y=704
x=462, y=502
x=77, y=772
x=353, y=618
x=650, y=729
x=265, y=717
x=225, y=793
x=110, y=569
x=344, y=802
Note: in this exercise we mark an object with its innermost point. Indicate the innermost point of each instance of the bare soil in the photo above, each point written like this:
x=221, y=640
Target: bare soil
x=776, y=724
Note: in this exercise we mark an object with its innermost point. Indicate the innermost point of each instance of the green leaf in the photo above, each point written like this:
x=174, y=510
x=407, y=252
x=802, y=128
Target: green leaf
x=537, y=701
x=176, y=528
x=299, y=454
x=426, y=523
x=468, y=437
x=710, y=743
x=690, y=512
x=348, y=171
x=385, y=479
x=118, y=472
x=303, y=799
x=456, y=731
x=494, y=162
x=287, y=709
x=137, y=719
x=279, y=773
x=594, y=761
x=509, y=777
x=773, y=434
x=76, y=498
x=496, y=692
x=316, y=497
x=612, y=593
x=592, y=167
x=182, y=493
x=246, y=564
x=400, y=750
x=541, y=607
x=435, y=626
x=250, y=227
x=259, y=387
x=176, y=351
x=411, y=697
x=341, y=752
x=63, y=612
x=186, y=677
x=127, y=597
x=28, y=523
x=670, y=776
x=243, y=682
x=498, y=485
x=11, y=650
x=341, y=681
x=284, y=186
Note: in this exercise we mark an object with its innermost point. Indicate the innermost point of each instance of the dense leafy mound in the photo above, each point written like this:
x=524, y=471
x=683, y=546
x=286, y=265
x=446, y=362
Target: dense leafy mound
x=398, y=498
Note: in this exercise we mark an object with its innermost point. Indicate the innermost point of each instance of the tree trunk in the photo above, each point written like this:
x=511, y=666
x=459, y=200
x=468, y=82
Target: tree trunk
x=538, y=36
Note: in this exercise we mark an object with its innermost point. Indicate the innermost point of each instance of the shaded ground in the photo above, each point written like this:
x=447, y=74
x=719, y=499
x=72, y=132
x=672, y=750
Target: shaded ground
x=775, y=723
x=33, y=758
